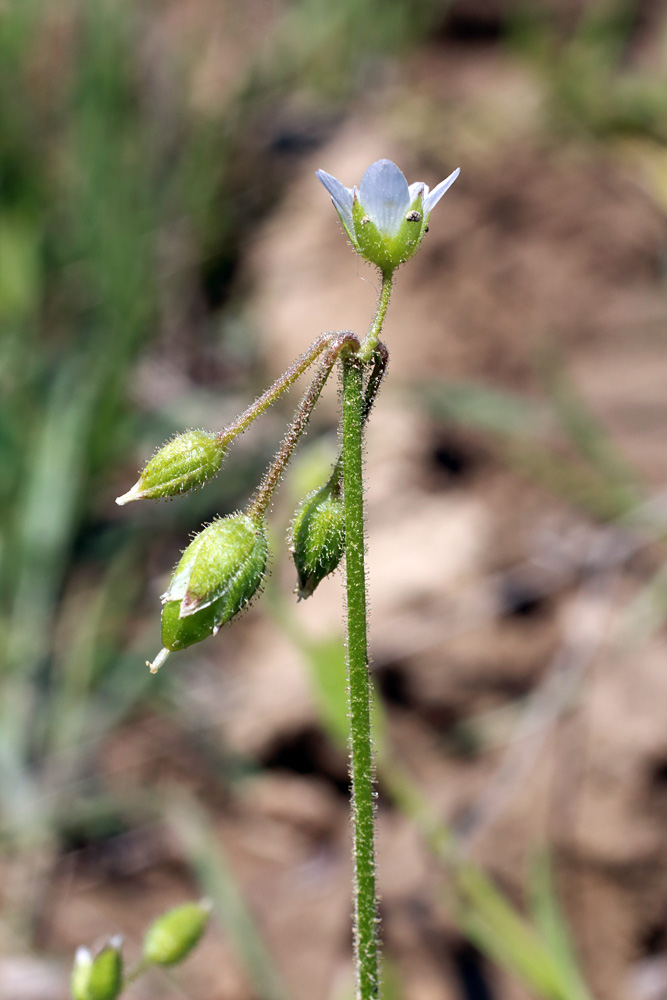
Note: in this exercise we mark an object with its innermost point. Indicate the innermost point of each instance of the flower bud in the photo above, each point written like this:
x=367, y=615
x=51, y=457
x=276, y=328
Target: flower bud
x=218, y=574
x=173, y=935
x=385, y=218
x=188, y=460
x=318, y=537
x=99, y=977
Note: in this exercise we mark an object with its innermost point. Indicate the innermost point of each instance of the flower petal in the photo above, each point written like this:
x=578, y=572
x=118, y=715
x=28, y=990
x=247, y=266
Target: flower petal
x=343, y=197
x=416, y=189
x=385, y=196
x=436, y=194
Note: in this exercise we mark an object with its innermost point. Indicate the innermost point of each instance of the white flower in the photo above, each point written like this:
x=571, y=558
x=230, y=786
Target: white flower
x=375, y=214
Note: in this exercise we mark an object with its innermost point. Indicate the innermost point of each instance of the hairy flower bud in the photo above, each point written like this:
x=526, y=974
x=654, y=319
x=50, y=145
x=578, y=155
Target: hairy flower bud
x=188, y=460
x=173, y=935
x=98, y=977
x=318, y=537
x=218, y=574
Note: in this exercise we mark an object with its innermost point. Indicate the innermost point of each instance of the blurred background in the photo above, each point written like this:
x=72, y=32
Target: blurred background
x=165, y=251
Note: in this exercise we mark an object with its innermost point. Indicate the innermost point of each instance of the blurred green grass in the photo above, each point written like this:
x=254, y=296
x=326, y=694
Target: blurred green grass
x=598, y=90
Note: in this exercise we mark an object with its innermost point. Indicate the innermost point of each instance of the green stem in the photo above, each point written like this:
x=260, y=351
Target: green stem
x=370, y=341
x=135, y=972
x=262, y=403
x=381, y=360
x=365, y=905
x=336, y=344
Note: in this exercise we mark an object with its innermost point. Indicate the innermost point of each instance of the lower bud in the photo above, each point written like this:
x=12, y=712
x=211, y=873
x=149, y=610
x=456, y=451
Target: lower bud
x=218, y=574
x=318, y=537
x=100, y=976
x=173, y=935
x=187, y=461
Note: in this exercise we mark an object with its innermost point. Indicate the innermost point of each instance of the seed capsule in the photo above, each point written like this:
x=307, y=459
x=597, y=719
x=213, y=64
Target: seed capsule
x=98, y=977
x=173, y=935
x=188, y=460
x=318, y=537
x=218, y=574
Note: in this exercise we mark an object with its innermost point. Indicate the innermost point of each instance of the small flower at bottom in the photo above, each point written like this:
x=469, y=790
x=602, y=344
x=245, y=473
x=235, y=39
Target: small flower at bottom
x=172, y=936
x=385, y=217
x=218, y=574
x=188, y=460
x=100, y=976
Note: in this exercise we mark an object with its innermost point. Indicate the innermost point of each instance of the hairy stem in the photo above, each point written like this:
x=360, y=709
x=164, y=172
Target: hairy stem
x=365, y=905
x=295, y=370
x=337, y=343
x=370, y=342
x=378, y=371
x=380, y=361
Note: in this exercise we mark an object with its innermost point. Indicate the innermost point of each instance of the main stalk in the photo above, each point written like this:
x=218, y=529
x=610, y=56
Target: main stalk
x=365, y=903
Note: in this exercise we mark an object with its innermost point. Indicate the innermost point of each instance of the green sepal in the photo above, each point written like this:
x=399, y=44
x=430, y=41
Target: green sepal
x=187, y=461
x=218, y=574
x=410, y=235
x=98, y=977
x=172, y=936
x=388, y=252
x=179, y=633
x=369, y=241
x=318, y=537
